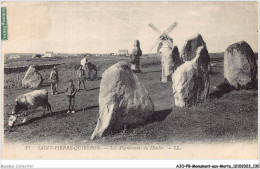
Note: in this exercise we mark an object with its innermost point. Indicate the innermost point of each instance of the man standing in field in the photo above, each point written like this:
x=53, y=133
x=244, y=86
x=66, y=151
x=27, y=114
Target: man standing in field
x=54, y=78
x=135, y=57
x=71, y=92
x=81, y=75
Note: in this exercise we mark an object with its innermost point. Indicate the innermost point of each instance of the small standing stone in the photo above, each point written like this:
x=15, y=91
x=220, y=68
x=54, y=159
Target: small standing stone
x=32, y=79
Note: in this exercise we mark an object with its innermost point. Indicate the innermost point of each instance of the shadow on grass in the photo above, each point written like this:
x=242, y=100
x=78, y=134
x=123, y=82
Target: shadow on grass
x=61, y=113
x=157, y=116
x=87, y=108
x=160, y=115
x=81, y=90
x=221, y=90
x=151, y=71
x=93, y=89
x=45, y=85
x=218, y=59
x=94, y=79
x=225, y=87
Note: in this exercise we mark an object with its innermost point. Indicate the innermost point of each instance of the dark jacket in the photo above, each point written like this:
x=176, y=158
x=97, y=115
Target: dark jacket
x=71, y=90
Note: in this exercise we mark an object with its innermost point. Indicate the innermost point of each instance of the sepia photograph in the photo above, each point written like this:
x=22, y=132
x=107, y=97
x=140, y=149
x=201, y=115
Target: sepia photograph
x=129, y=80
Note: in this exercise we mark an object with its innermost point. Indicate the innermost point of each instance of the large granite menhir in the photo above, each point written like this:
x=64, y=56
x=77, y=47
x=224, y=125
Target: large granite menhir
x=123, y=101
x=190, y=48
x=240, y=68
x=191, y=80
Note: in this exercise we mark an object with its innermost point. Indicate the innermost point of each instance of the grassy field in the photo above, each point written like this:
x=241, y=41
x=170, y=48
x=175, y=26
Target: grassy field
x=223, y=118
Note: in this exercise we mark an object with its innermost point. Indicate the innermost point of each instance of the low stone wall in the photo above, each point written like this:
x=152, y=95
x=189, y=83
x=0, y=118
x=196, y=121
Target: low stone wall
x=24, y=68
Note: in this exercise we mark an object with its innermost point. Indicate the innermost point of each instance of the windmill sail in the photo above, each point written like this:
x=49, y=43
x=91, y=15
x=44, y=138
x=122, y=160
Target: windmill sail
x=156, y=43
x=155, y=28
x=164, y=37
x=169, y=43
x=167, y=36
x=171, y=27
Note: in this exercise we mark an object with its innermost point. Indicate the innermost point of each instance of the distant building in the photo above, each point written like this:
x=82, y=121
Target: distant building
x=36, y=56
x=123, y=52
x=14, y=57
x=48, y=54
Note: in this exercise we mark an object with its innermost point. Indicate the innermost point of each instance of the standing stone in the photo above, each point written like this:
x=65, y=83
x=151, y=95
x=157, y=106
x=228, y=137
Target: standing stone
x=135, y=57
x=191, y=46
x=240, y=67
x=32, y=78
x=177, y=61
x=123, y=101
x=191, y=80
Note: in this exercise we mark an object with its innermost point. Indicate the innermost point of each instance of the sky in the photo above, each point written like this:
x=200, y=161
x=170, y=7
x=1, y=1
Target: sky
x=104, y=27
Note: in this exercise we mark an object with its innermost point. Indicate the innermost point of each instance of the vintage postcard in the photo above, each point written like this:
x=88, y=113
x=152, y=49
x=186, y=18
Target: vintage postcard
x=129, y=80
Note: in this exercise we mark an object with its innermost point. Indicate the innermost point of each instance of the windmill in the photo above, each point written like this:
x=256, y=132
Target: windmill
x=164, y=36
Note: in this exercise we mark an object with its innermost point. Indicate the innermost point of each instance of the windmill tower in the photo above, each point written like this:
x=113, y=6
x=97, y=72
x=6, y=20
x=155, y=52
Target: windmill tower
x=164, y=38
x=165, y=51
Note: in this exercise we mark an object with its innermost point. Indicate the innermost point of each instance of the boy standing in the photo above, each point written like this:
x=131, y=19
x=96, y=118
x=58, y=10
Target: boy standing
x=54, y=78
x=71, y=91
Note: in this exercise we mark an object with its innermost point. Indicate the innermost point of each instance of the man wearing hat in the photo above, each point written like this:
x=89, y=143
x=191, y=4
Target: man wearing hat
x=54, y=78
x=81, y=76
